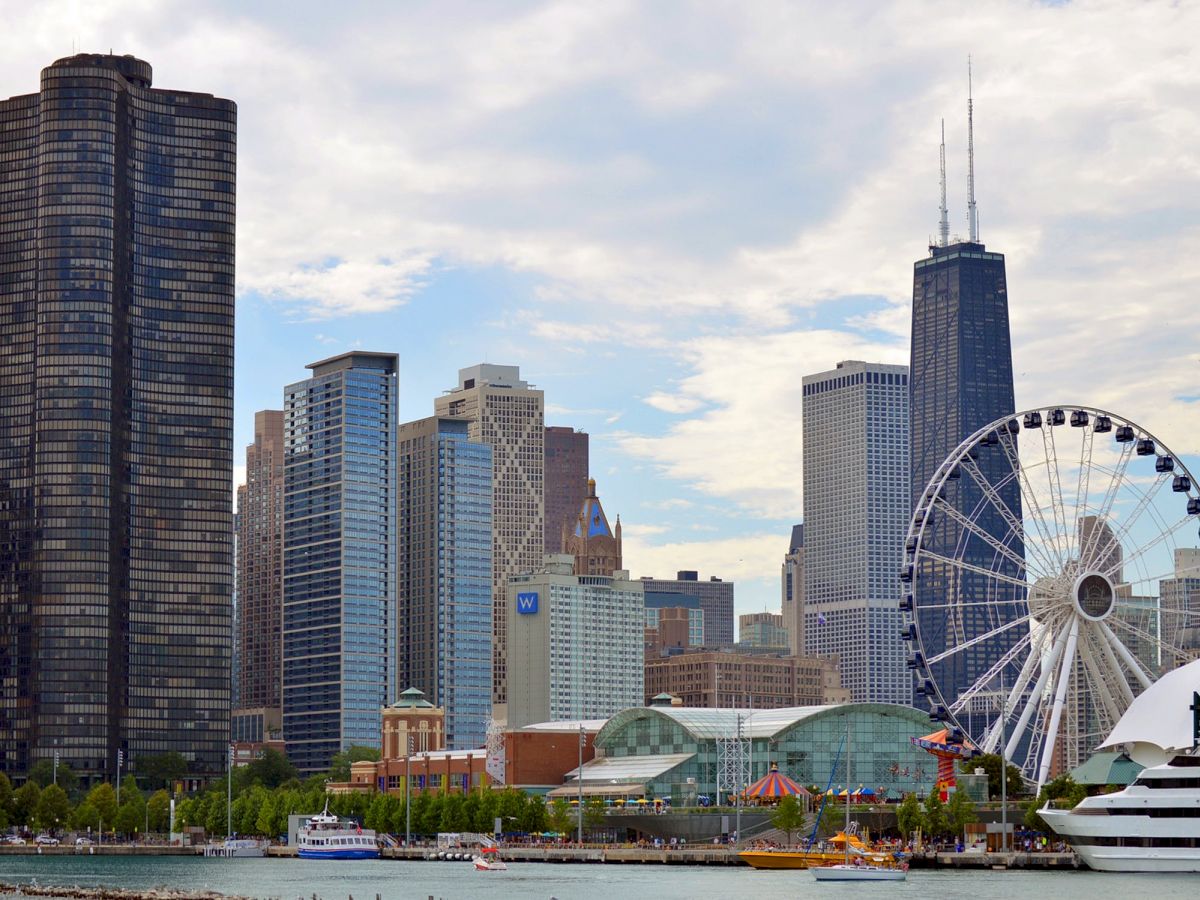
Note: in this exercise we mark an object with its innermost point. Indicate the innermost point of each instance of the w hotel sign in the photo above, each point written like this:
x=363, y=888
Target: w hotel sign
x=527, y=604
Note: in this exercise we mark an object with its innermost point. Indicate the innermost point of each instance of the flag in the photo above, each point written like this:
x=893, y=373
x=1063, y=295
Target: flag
x=820, y=618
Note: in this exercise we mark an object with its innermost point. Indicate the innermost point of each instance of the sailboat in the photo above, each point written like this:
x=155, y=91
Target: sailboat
x=861, y=869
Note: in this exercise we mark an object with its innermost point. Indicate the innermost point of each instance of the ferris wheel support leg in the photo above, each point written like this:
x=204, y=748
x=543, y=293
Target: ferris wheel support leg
x=1060, y=696
x=1034, y=696
x=1129, y=658
x=1111, y=659
x=1008, y=701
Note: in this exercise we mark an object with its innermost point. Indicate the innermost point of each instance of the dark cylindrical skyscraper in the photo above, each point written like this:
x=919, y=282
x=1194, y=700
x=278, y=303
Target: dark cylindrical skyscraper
x=116, y=401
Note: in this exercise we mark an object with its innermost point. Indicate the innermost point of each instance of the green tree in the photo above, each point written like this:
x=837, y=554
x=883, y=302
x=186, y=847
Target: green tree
x=560, y=816
x=159, y=809
x=85, y=816
x=1062, y=790
x=161, y=770
x=131, y=814
x=454, y=813
x=788, y=816
x=960, y=811
x=187, y=813
x=53, y=809
x=910, y=818
x=594, y=814
x=937, y=823
x=6, y=796
x=339, y=769
x=104, y=799
x=272, y=769
x=24, y=802
x=43, y=773
x=533, y=814
x=990, y=763
x=265, y=824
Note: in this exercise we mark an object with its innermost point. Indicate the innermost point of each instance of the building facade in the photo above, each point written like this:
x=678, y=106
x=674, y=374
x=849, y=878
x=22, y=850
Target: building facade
x=444, y=582
x=856, y=512
x=716, y=599
x=508, y=415
x=674, y=622
x=595, y=545
x=961, y=380
x=116, y=432
x=792, y=591
x=566, y=473
x=339, y=556
x=260, y=567
x=715, y=680
x=761, y=629
x=576, y=642
x=672, y=751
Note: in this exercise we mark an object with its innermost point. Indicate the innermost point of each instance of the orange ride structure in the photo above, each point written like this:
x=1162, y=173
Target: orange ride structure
x=949, y=747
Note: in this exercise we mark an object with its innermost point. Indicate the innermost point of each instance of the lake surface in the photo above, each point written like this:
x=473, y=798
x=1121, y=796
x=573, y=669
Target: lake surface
x=289, y=879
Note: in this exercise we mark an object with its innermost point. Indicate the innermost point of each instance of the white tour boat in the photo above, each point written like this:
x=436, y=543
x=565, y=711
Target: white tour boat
x=1151, y=826
x=325, y=837
x=237, y=848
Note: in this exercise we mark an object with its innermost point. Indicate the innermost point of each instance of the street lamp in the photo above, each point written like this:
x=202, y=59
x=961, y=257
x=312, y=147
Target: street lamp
x=579, y=782
x=408, y=793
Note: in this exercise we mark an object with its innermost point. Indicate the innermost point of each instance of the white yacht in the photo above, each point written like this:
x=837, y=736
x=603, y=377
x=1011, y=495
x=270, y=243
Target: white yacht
x=1151, y=826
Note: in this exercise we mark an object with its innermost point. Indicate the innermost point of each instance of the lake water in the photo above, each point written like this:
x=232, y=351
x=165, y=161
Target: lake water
x=289, y=879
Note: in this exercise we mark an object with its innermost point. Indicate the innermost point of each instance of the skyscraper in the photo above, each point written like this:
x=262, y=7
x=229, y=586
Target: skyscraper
x=444, y=580
x=961, y=379
x=856, y=497
x=716, y=599
x=792, y=591
x=507, y=414
x=566, y=471
x=339, y=555
x=116, y=403
x=259, y=565
x=577, y=644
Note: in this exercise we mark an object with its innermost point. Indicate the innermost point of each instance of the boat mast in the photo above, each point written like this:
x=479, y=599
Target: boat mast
x=846, y=832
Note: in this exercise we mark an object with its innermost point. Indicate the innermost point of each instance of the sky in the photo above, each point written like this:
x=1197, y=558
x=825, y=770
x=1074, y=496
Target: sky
x=667, y=213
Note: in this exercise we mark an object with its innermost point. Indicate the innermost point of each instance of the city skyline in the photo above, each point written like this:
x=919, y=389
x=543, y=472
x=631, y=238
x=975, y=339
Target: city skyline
x=555, y=266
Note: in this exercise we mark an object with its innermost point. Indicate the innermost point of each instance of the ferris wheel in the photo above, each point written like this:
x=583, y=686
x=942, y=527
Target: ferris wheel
x=1051, y=574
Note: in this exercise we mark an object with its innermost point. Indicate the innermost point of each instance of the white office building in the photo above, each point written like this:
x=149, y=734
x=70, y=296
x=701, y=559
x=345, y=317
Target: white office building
x=856, y=512
x=575, y=644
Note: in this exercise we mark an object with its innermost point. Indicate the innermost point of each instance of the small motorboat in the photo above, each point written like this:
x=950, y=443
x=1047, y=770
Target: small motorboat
x=488, y=860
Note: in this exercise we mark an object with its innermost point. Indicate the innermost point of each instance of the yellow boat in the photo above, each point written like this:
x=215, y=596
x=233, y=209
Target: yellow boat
x=804, y=859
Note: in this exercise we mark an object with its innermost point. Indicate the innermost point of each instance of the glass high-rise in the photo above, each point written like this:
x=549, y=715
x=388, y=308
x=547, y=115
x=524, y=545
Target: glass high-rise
x=961, y=379
x=445, y=574
x=855, y=470
x=339, y=555
x=116, y=402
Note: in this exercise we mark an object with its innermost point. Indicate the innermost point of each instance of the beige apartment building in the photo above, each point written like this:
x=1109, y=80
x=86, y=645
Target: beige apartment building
x=507, y=414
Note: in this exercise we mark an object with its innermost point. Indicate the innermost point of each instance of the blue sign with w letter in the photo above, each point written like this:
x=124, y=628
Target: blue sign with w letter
x=527, y=603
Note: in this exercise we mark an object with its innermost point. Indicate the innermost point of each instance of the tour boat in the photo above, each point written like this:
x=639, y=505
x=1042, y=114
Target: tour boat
x=325, y=837
x=1151, y=826
x=488, y=860
x=236, y=848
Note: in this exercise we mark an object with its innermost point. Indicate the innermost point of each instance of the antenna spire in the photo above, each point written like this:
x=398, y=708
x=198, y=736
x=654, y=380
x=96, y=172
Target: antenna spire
x=944, y=221
x=972, y=217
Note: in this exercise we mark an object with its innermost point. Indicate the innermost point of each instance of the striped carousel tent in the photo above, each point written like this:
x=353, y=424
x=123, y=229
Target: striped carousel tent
x=774, y=785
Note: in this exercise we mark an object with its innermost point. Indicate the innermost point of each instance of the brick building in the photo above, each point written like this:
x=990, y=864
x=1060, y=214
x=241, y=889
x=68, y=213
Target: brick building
x=723, y=680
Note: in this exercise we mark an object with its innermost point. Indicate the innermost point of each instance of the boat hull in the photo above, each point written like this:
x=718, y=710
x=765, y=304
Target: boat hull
x=788, y=859
x=343, y=853
x=857, y=873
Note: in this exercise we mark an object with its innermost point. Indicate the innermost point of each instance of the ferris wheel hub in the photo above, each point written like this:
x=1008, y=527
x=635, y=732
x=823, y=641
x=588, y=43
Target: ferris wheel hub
x=1094, y=595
